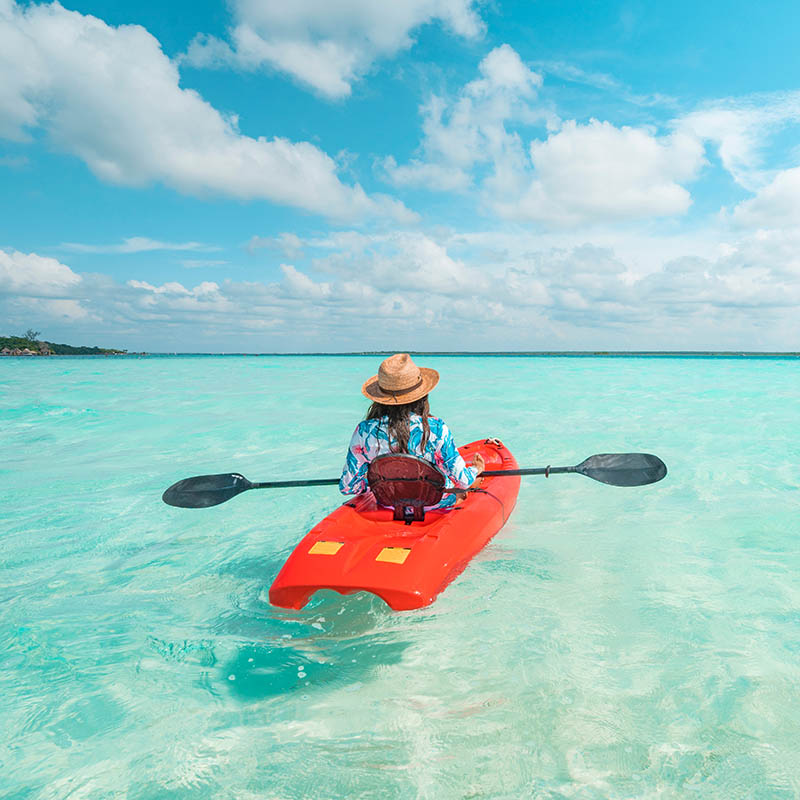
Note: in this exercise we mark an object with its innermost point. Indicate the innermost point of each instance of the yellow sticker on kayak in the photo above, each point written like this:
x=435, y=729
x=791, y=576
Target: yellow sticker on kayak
x=325, y=548
x=394, y=555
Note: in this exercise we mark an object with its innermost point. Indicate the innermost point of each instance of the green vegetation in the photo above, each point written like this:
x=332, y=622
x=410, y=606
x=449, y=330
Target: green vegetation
x=31, y=341
x=69, y=350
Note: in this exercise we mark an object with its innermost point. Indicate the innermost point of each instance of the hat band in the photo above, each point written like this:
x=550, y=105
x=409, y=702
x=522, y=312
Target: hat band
x=401, y=391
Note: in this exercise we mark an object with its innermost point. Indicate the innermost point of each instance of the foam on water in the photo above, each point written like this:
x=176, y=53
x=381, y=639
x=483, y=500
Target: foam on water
x=608, y=643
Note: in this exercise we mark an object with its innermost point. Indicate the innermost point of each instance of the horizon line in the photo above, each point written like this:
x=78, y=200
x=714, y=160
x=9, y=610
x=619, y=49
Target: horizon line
x=599, y=353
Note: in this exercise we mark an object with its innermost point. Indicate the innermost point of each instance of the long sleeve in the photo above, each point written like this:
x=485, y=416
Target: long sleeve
x=354, y=474
x=452, y=464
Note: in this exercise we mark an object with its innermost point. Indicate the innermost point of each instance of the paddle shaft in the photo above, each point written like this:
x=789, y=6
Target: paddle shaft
x=287, y=484
x=334, y=481
x=493, y=473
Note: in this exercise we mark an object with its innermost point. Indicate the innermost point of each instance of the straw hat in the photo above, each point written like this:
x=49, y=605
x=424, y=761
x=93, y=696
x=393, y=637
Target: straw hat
x=400, y=381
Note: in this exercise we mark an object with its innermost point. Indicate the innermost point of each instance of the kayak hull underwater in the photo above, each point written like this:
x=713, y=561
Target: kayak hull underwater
x=360, y=547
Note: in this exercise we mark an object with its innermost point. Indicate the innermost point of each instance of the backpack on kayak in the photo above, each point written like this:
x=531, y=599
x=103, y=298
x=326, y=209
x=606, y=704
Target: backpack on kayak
x=405, y=483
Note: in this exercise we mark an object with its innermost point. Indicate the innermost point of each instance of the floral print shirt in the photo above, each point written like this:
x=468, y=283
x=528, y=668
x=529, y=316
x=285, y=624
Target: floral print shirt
x=371, y=439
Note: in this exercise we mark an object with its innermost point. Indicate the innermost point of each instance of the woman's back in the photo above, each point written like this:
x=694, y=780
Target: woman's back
x=372, y=438
x=399, y=422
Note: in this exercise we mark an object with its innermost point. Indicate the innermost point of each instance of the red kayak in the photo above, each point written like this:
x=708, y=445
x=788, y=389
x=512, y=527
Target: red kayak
x=361, y=547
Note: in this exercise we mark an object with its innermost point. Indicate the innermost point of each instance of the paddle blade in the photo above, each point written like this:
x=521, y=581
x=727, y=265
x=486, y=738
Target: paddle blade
x=205, y=490
x=623, y=469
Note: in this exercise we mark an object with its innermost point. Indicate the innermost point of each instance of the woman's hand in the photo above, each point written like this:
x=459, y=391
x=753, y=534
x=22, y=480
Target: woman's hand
x=478, y=463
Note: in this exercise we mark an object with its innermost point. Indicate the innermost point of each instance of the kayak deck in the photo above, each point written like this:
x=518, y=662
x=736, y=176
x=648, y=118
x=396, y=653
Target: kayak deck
x=360, y=547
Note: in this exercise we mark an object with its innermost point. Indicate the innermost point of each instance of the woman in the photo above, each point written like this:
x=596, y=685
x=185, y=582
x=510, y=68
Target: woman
x=399, y=421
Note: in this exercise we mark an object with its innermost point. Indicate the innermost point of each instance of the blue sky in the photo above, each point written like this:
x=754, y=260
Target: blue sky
x=433, y=174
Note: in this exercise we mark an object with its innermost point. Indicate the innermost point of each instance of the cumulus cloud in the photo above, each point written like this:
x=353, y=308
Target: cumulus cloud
x=400, y=262
x=110, y=96
x=362, y=291
x=298, y=284
x=472, y=128
x=745, y=285
x=742, y=290
x=32, y=275
x=777, y=205
x=579, y=174
x=744, y=131
x=173, y=299
x=418, y=173
x=599, y=172
x=41, y=285
x=327, y=45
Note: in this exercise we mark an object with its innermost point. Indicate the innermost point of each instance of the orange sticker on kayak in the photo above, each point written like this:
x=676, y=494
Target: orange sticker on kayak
x=394, y=555
x=325, y=548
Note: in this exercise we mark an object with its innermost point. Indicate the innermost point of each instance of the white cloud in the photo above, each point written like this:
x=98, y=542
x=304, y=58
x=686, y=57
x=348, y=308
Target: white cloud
x=579, y=174
x=598, y=172
x=404, y=262
x=777, y=205
x=33, y=275
x=21, y=69
x=298, y=284
x=195, y=263
x=604, y=82
x=289, y=244
x=744, y=287
x=441, y=177
x=503, y=70
x=742, y=129
x=362, y=291
x=471, y=129
x=41, y=285
x=111, y=97
x=135, y=244
x=327, y=45
x=61, y=310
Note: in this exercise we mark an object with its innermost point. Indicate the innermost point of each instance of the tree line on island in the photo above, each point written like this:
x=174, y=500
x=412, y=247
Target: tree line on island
x=29, y=344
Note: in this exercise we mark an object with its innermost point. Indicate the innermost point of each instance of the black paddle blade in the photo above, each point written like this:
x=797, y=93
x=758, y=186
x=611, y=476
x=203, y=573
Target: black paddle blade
x=205, y=490
x=623, y=469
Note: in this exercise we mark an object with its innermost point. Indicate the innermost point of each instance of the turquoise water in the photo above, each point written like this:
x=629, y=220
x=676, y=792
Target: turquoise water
x=608, y=643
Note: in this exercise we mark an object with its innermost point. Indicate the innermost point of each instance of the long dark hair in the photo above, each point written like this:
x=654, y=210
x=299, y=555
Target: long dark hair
x=399, y=418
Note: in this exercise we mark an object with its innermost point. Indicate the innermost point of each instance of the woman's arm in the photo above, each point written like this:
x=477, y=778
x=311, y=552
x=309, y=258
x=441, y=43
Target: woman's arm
x=454, y=465
x=354, y=474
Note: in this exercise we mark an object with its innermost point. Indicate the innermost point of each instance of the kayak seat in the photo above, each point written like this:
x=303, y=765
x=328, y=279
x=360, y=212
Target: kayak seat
x=405, y=483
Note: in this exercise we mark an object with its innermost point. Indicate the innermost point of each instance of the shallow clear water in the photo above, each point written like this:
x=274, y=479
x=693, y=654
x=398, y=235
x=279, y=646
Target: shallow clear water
x=608, y=643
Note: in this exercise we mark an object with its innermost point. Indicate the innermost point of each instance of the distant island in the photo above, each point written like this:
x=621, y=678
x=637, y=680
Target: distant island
x=30, y=345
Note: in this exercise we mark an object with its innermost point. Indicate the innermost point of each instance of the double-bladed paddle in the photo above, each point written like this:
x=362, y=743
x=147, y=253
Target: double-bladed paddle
x=615, y=469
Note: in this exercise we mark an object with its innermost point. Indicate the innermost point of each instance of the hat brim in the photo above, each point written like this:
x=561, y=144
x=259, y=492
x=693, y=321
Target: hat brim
x=372, y=390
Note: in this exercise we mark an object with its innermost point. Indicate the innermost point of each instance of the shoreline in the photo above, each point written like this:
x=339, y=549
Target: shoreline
x=31, y=354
